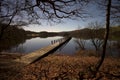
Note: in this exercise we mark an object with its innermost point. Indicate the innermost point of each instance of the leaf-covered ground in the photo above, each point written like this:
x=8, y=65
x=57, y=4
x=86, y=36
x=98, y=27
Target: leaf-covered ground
x=61, y=67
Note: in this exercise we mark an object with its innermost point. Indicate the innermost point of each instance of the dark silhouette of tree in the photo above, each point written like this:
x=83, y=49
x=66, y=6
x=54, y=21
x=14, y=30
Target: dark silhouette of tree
x=115, y=10
x=105, y=36
x=33, y=11
x=95, y=36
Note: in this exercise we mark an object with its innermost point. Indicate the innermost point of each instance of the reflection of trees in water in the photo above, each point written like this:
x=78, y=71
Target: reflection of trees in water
x=110, y=48
x=95, y=35
x=118, y=47
x=12, y=37
x=19, y=48
x=114, y=47
x=97, y=43
x=117, y=44
x=81, y=43
x=9, y=43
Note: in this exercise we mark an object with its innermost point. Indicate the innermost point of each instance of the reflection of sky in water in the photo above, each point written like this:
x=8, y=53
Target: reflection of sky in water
x=70, y=48
x=33, y=44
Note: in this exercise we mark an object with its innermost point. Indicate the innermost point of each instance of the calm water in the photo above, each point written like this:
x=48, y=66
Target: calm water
x=33, y=44
x=70, y=48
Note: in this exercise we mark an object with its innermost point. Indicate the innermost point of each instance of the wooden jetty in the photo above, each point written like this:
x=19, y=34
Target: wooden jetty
x=45, y=51
x=14, y=66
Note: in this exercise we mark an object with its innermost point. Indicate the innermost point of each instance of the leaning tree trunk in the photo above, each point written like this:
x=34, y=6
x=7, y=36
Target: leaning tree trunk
x=3, y=28
x=106, y=35
x=1, y=33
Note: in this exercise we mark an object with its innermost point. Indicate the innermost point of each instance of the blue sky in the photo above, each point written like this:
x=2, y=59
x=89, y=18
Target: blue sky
x=69, y=25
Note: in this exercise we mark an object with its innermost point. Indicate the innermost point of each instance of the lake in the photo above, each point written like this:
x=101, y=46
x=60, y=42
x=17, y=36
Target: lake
x=70, y=48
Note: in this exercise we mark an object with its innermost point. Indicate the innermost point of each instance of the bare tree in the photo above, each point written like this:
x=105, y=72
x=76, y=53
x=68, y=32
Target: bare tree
x=6, y=16
x=105, y=36
x=95, y=36
x=115, y=9
x=33, y=11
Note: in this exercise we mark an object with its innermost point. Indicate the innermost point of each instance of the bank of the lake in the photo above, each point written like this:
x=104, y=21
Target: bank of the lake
x=61, y=67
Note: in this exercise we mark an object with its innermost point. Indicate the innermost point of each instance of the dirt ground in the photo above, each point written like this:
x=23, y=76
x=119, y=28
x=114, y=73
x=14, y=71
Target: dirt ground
x=60, y=67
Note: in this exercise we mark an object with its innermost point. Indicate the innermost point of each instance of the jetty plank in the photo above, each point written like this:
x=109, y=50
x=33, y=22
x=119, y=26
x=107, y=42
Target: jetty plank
x=13, y=66
x=36, y=55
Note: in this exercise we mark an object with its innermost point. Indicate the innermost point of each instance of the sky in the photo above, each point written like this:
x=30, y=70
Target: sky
x=95, y=14
x=69, y=25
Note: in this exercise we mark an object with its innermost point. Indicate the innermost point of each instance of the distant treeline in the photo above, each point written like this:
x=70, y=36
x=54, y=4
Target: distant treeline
x=14, y=32
x=87, y=33
x=13, y=36
x=45, y=34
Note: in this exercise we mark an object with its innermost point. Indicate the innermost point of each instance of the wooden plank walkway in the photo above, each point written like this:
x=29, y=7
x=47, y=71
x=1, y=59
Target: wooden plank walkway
x=14, y=66
x=35, y=56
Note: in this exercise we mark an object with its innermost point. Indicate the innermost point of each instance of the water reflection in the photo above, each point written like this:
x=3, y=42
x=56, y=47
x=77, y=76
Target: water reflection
x=81, y=43
x=6, y=44
x=75, y=44
x=33, y=44
x=97, y=43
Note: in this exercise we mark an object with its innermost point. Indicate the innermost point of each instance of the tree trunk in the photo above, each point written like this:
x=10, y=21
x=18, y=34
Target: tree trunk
x=1, y=33
x=3, y=28
x=106, y=35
